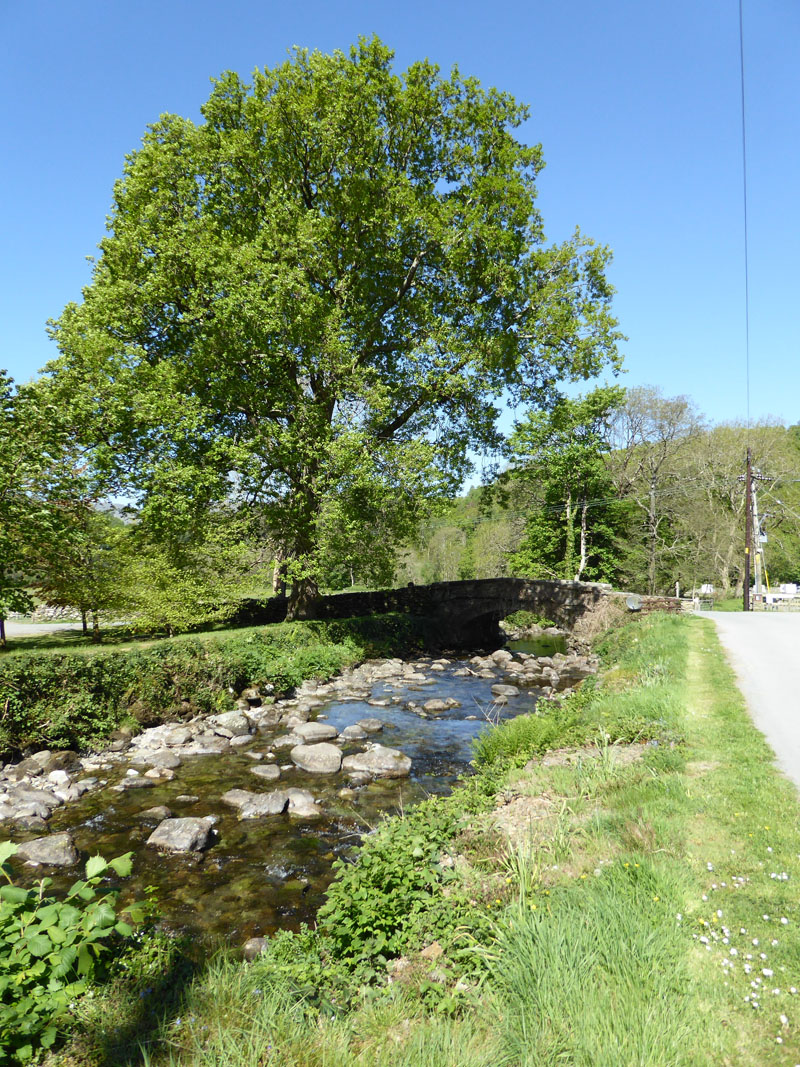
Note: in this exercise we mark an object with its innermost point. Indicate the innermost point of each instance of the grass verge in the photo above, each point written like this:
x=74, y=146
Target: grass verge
x=621, y=893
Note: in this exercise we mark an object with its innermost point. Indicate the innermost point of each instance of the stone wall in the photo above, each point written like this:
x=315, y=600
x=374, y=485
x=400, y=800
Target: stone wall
x=467, y=614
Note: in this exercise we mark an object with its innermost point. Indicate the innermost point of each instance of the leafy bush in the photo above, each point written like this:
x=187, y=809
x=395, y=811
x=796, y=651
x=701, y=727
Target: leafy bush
x=375, y=903
x=74, y=700
x=524, y=619
x=49, y=950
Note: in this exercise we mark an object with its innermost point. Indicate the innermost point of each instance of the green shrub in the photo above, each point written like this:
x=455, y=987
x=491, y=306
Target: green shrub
x=68, y=699
x=523, y=620
x=49, y=950
x=376, y=903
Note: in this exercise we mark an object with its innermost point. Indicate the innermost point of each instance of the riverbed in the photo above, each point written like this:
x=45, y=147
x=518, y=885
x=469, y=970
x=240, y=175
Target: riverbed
x=264, y=874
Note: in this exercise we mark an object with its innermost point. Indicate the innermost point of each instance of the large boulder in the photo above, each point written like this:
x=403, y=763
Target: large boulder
x=182, y=835
x=230, y=724
x=378, y=762
x=435, y=705
x=505, y=691
x=55, y=850
x=315, y=731
x=162, y=757
x=321, y=758
x=303, y=805
x=257, y=805
x=372, y=726
x=354, y=733
x=177, y=736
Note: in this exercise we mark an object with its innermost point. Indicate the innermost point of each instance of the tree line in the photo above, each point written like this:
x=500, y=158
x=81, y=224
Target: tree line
x=625, y=486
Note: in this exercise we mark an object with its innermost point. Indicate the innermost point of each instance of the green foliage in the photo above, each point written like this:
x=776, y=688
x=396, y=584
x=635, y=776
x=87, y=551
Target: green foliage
x=374, y=904
x=523, y=619
x=84, y=568
x=352, y=317
x=73, y=700
x=558, y=457
x=49, y=950
x=41, y=487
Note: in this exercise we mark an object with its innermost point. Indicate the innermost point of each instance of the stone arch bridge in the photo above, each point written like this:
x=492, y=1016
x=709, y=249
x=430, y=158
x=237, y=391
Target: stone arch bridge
x=467, y=614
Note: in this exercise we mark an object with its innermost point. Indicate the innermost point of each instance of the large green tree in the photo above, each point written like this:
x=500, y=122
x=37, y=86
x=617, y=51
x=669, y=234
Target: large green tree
x=559, y=458
x=316, y=297
x=43, y=482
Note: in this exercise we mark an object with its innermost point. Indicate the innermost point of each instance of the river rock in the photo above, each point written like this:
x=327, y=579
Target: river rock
x=207, y=745
x=179, y=735
x=59, y=778
x=435, y=705
x=501, y=657
x=316, y=731
x=55, y=850
x=241, y=741
x=256, y=805
x=265, y=718
x=372, y=726
x=254, y=946
x=133, y=783
x=162, y=757
x=31, y=801
x=230, y=724
x=302, y=804
x=182, y=835
x=322, y=758
x=378, y=762
x=354, y=733
x=286, y=741
x=160, y=812
x=505, y=691
x=266, y=770
x=160, y=774
x=32, y=766
x=63, y=760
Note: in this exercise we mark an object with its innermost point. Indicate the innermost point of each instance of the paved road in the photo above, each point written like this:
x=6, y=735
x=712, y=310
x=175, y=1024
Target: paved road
x=764, y=650
x=34, y=629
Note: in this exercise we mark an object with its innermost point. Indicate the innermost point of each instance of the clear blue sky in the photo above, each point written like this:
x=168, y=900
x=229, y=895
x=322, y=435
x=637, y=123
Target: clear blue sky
x=636, y=105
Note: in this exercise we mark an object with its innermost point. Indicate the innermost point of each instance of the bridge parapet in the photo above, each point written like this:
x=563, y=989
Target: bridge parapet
x=467, y=614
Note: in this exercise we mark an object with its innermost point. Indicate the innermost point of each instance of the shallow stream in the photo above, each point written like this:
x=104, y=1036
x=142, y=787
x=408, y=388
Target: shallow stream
x=268, y=873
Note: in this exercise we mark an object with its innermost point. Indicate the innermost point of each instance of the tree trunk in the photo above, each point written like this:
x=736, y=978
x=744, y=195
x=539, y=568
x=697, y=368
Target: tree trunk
x=2, y=631
x=582, y=563
x=302, y=600
x=84, y=622
x=569, y=547
x=653, y=530
x=96, y=638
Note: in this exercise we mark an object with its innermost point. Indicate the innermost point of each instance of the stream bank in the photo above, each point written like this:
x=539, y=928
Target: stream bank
x=392, y=733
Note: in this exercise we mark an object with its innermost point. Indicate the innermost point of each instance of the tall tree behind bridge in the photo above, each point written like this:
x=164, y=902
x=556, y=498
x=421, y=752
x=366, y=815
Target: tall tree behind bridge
x=561, y=476
x=315, y=299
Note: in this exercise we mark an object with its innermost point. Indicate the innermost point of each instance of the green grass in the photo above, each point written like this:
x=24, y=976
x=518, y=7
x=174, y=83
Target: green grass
x=599, y=977
x=729, y=604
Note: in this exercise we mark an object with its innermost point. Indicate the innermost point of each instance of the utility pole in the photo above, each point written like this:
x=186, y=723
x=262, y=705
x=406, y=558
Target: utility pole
x=749, y=508
x=757, y=550
x=748, y=530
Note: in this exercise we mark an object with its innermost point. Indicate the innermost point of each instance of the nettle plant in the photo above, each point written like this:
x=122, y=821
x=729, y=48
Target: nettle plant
x=49, y=950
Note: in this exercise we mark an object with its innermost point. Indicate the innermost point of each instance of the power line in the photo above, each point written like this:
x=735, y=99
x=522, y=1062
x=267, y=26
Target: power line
x=744, y=196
